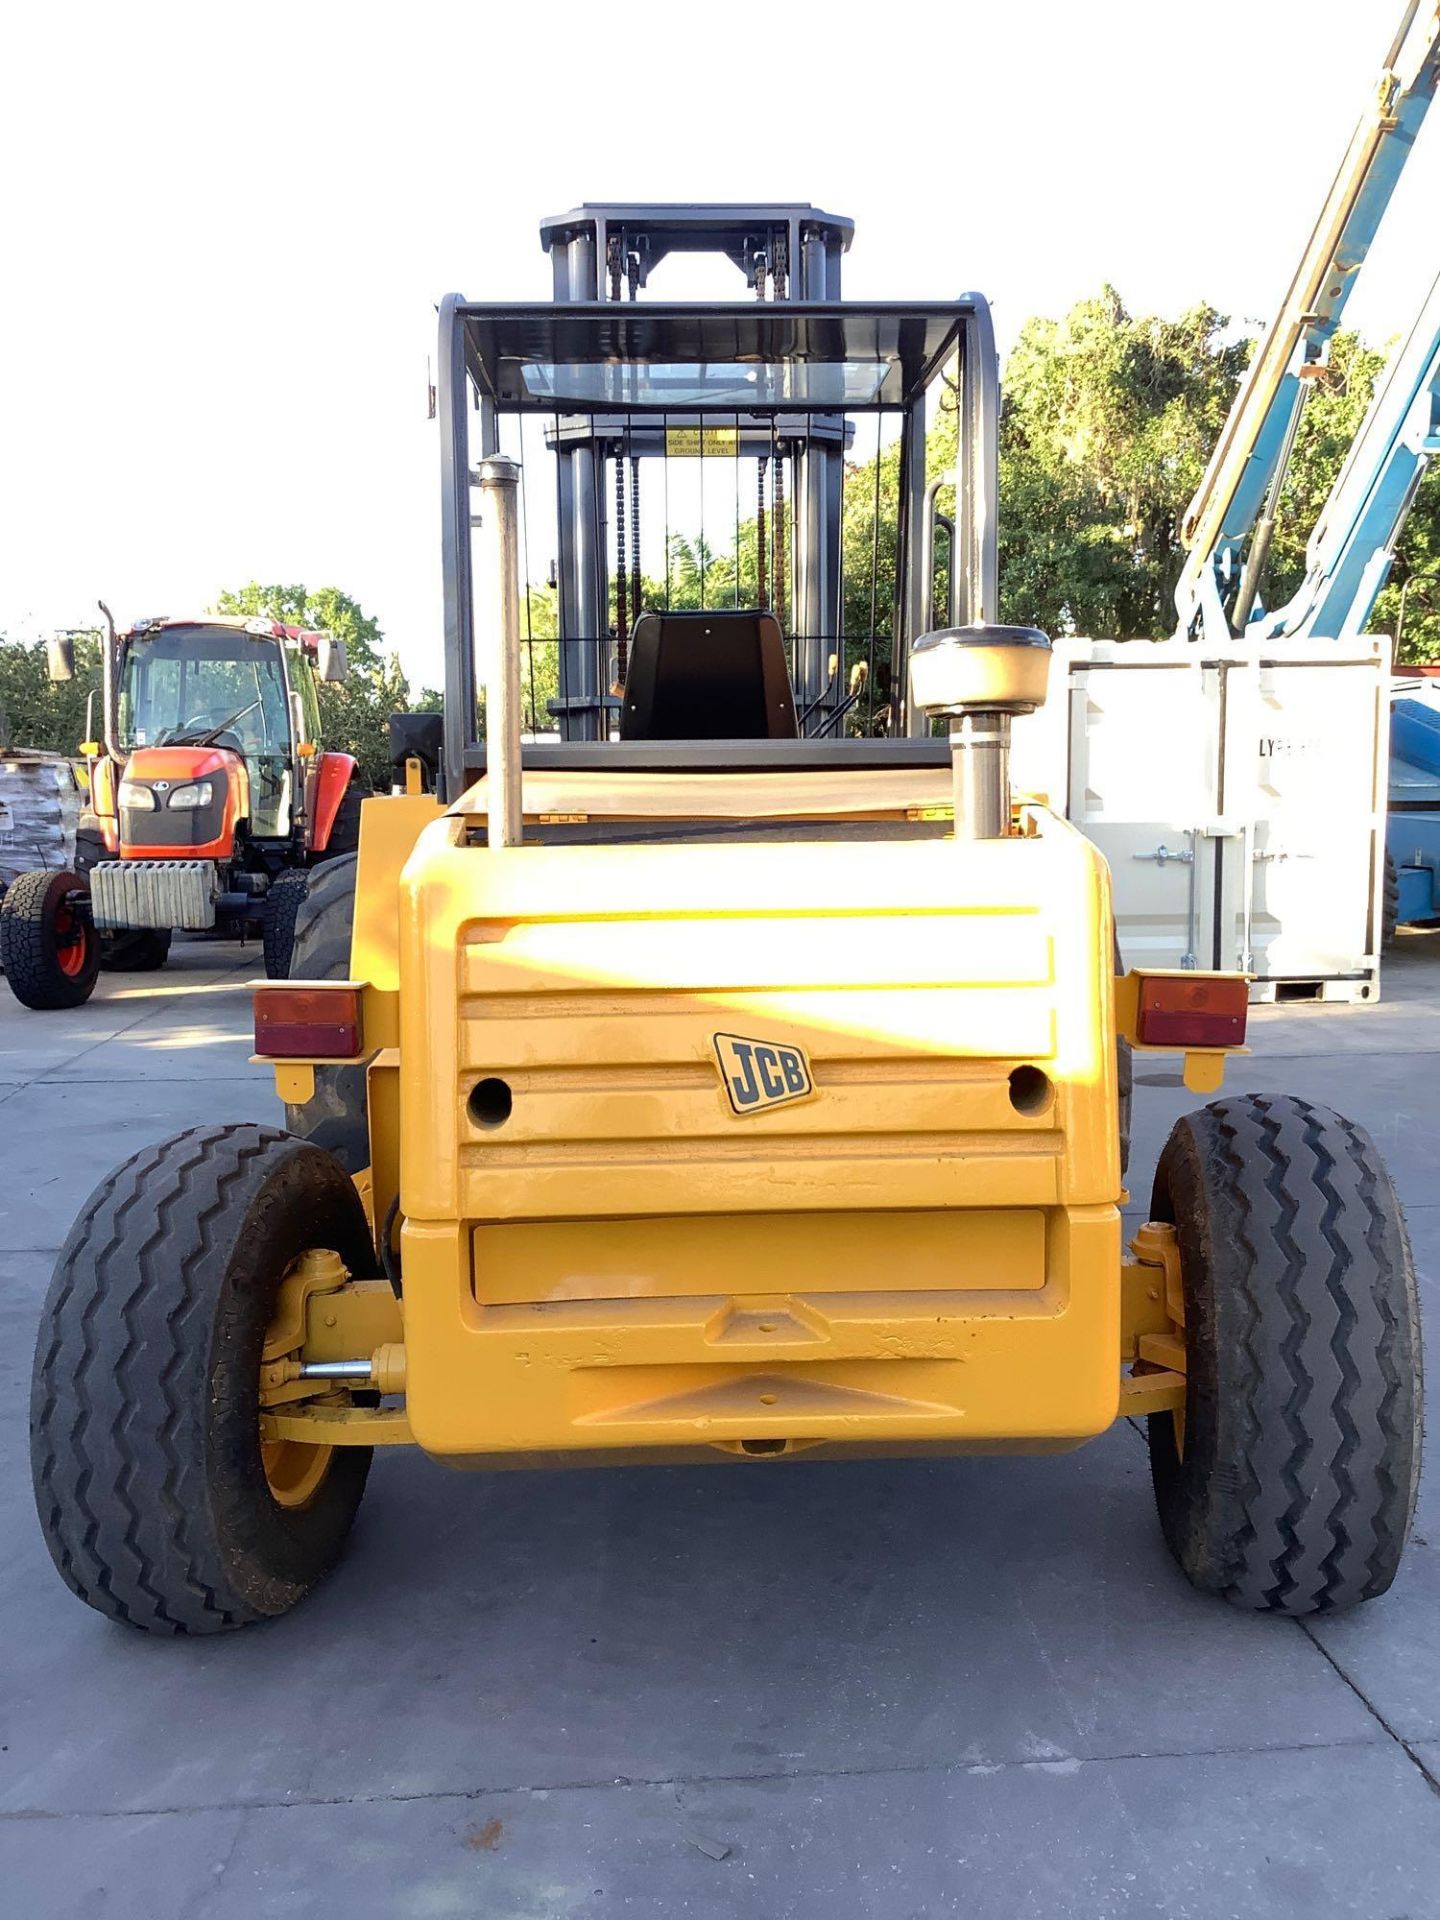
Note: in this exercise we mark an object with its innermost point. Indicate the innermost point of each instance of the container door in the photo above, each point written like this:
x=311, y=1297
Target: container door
x=1304, y=748
x=1143, y=758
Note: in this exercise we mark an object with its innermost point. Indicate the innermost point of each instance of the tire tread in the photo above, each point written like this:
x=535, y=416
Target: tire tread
x=1318, y=1404
x=123, y=1482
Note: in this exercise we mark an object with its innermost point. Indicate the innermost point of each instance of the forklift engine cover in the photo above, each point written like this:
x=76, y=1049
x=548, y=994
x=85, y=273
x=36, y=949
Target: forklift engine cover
x=916, y=1242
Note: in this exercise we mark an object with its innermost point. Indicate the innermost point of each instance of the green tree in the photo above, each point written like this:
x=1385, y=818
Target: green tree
x=38, y=712
x=1409, y=606
x=1107, y=422
x=355, y=712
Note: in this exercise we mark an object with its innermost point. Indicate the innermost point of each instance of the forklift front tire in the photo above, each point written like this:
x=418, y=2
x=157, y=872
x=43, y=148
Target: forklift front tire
x=49, y=949
x=1290, y=1485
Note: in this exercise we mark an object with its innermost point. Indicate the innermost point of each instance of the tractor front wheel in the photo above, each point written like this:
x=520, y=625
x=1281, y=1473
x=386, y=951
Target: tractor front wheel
x=49, y=949
x=159, y=1502
x=1289, y=1485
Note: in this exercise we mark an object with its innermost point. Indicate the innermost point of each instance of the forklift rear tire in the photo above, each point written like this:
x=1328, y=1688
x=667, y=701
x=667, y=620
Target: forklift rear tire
x=1293, y=1487
x=143, y=950
x=335, y=1116
x=1389, y=904
x=326, y=920
x=49, y=949
x=156, y=1498
x=283, y=902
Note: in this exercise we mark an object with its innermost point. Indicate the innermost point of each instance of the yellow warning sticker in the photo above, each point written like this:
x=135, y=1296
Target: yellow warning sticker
x=694, y=441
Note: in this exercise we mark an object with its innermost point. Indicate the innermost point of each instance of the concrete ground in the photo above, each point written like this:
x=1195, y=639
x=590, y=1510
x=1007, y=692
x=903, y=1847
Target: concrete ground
x=888, y=1690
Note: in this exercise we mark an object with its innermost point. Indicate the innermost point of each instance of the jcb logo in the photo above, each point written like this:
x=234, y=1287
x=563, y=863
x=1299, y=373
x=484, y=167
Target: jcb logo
x=760, y=1074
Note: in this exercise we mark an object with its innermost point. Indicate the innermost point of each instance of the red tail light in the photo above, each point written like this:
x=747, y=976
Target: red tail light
x=1192, y=1010
x=299, y=1020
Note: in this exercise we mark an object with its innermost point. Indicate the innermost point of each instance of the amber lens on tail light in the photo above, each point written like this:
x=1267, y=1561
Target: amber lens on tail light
x=296, y=1021
x=1193, y=1010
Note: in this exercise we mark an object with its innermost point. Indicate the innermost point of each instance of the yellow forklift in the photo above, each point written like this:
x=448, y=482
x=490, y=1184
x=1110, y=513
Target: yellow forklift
x=735, y=1069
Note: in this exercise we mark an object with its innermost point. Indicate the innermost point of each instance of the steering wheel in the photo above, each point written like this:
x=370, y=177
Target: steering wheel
x=208, y=730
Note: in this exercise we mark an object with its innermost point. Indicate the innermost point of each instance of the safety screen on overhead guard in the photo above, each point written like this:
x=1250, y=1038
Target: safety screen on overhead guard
x=771, y=458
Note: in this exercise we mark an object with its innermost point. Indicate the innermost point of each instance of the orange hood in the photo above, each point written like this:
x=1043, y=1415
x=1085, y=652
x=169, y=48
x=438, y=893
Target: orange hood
x=206, y=833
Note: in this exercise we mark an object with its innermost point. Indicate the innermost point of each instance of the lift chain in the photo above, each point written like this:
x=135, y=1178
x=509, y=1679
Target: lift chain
x=760, y=470
x=762, y=466
x=778, y=534
x=780, y=274
x=633, y=274
x=622, y=623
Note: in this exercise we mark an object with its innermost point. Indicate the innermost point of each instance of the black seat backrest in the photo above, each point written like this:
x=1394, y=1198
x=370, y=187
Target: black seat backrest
x=708, y=676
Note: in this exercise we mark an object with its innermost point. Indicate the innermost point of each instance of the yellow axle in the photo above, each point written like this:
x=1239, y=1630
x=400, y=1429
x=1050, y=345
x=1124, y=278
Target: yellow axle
x=705, y=1149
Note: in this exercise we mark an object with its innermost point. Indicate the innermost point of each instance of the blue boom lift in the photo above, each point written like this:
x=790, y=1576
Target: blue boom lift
x=1228, y=525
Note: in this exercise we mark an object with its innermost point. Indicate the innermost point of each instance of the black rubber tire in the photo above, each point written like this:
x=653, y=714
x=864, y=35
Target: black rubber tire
x=283, y=901
x=1125, y=1075
x=141, y=950
x=1125, y=1079
x=1390, y=905
x=335, y=1117
x=30, y=944
x=1301, y=1459
x=326, y=921
x=345, y=829
x=144, y=1440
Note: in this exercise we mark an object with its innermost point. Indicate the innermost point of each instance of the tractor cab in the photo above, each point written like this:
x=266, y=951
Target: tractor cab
x=211, y=719
x=211, y=795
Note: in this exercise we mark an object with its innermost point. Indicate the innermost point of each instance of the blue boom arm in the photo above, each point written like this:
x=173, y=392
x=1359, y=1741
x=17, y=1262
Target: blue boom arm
x=1353, y=544
x=1259, y=431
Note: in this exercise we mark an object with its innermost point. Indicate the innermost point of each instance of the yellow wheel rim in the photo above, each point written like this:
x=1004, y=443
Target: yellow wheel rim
x=294, y=1472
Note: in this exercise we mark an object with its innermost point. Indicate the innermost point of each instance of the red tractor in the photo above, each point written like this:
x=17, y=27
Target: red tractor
x=211, y=797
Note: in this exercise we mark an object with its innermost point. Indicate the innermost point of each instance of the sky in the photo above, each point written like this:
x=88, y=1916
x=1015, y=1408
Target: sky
x=225, y=231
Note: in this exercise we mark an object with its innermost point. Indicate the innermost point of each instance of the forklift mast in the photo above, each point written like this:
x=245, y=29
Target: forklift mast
x=601, y=252
x=769, y=388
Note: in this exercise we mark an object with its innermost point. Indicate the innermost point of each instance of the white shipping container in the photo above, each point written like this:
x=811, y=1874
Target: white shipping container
x=1238, y=796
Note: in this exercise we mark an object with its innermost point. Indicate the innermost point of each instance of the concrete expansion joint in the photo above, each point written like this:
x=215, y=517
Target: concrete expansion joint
x=1051, y=1762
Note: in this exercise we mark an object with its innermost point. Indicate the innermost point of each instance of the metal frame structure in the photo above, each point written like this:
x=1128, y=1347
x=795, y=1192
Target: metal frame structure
x=1353, y=542
x=1228, y=524
x=490, y=357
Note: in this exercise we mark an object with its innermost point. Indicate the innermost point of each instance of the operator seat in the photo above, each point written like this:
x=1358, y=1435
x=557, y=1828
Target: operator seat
x=708, y=676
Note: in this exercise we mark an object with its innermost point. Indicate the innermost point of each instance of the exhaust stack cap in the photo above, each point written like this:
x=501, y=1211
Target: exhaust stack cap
x=986, y=669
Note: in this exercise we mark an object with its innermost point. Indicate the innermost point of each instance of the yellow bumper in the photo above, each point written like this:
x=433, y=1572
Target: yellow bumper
x=1031, y=1365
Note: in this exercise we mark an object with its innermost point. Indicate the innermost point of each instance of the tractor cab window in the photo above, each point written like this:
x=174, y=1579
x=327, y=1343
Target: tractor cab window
x=219, y=686
x=304, y=683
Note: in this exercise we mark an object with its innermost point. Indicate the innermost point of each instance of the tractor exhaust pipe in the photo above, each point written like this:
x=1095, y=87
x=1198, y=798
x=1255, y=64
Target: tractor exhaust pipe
x=979, y=678
x=108, y=669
